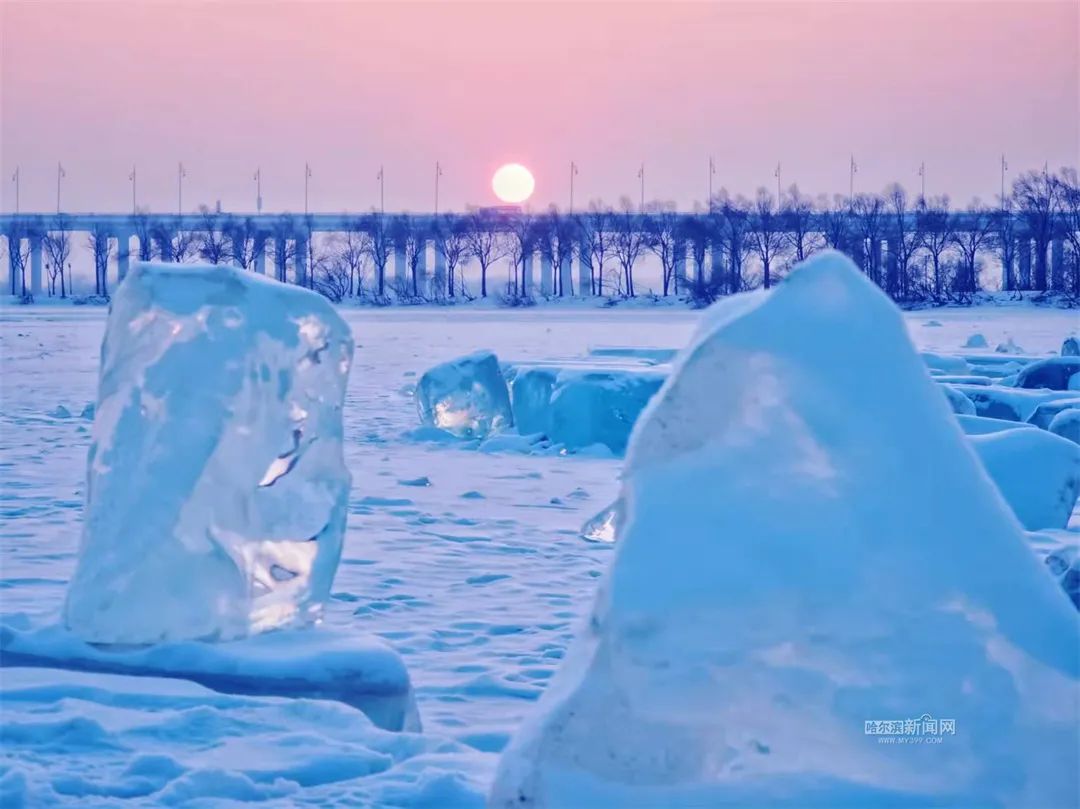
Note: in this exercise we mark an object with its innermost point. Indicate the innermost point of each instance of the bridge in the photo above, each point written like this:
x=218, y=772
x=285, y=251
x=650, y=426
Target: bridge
x=289, y=235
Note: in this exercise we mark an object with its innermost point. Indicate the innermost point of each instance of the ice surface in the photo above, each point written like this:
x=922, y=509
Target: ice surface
x=1061, y=552
x=980, y=425
x=946, y=363
x=747, y=632
x=217, y=489
x=466, y=396
x=1055, y=373
x=359, y=671
x=1037, y=472
x=653, y=354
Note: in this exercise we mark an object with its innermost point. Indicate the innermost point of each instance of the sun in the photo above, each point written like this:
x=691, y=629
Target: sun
x=513, y=183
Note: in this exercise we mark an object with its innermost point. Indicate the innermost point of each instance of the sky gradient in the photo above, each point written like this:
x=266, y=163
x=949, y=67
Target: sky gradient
x=228, y=87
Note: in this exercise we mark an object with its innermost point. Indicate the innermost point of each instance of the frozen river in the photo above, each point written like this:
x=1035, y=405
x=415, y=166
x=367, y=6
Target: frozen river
x=480, y=594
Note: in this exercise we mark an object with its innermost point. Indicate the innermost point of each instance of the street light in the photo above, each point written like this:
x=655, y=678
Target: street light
x=180, y=175
x=573, y=172
x=381, y=177
x=60, y=174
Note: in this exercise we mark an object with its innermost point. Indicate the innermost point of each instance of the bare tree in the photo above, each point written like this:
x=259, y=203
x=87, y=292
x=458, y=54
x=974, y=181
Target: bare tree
x=17, y=233
x=630, y=242
x=101, y=248
x=868, y=213
x=766, y=234
x=1069, y=185
x=904, y=242
x=242, y=241
x=57, y=246
x=521, y=235
x=698, y=231
x=1037, y=197
x=486, y=243
x=557, y=234
x=970, y=240
x=836, y=222
x=597, y=234
x=144, y=229
x=730, y=217
x=935, y=226
x=797, y=215
x=380, y=246
x=211, y=241
x=352, y=254
x=664, y=237
x=414, y=244
x=282, y=248
x=451, y=240
x=175, y=245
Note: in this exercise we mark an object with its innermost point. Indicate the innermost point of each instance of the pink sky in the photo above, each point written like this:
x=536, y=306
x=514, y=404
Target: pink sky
x=229, y=86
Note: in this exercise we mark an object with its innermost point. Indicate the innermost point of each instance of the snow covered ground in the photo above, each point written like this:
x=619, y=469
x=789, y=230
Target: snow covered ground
x=478, y=580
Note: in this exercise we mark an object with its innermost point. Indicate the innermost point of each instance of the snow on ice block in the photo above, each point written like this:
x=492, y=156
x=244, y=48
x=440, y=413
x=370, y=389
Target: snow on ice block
x=960, y=403
x=1055, y=373
x=998, y=402
x=466, y=396
x=1038, y=474
x=797, y=578
x=217, y=488
x=1043, y=414
x=320, y=663
x=1066, y=424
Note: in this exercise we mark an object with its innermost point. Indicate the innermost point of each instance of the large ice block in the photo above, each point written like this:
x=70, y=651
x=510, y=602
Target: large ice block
x=800, y=574
x=217, y=489
x=466, y=396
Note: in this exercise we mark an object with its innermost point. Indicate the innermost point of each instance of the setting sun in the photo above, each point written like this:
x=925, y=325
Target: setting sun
x=513, y=183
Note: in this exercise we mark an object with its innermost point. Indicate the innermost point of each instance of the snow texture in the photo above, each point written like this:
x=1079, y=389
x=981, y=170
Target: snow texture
x=217, y=488
x=748, y=636
x=467, y=396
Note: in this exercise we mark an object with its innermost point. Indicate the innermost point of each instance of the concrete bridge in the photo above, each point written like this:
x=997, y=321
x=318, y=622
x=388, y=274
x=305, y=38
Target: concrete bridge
x=289, y=235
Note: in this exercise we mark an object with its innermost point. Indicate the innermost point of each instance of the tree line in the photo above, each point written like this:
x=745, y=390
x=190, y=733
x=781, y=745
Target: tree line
x=731, y=245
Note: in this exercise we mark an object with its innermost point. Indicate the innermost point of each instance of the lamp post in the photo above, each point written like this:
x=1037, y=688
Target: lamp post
x=779, y=193
x=60, y=174
x=15, y=179
x=853, y=169
x=712, y=173
x=181, y=173
x=258, y=189
x=1004, y=168
x=134, y=203
x=381, y=177
x=641, y=176
x=307, y=176
x=438, y=174
x=573, y=173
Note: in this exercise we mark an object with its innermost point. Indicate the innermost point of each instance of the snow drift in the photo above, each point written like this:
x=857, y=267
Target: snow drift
x=217, y=489
x=800, y=580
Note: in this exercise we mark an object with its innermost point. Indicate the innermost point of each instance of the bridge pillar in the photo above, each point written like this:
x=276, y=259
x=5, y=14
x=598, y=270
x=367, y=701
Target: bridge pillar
x=401, y=271
x=258, y=249
x=123, y=255
x=680, y=266
x=528, y=282
x=546, y=288
x=566, y=276
x=584, y=284
x=14, y=248
x=162, y=248
x=439, y=280
x=716, y=266
x=280, y=259
x=35, y=265
x=1023, y=258
x=301, y=263
x=1057, y=264
x=1008, y=268
x=892, y=250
